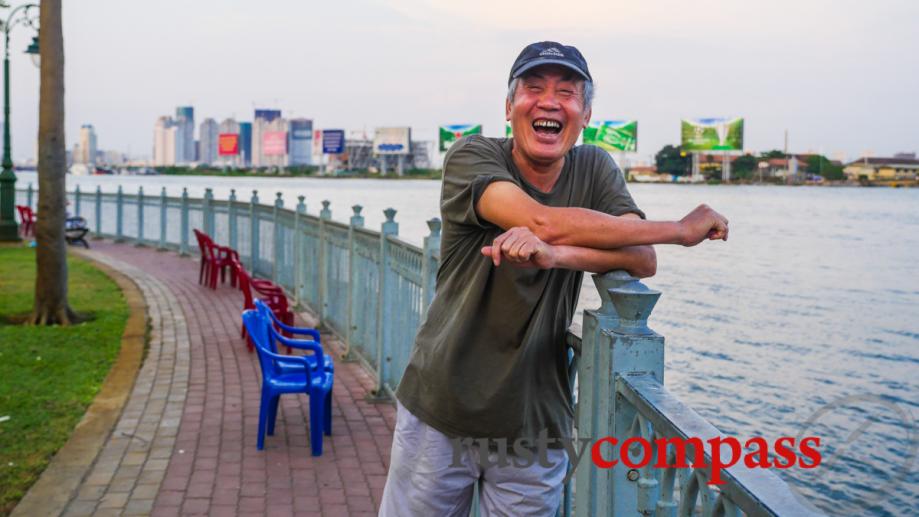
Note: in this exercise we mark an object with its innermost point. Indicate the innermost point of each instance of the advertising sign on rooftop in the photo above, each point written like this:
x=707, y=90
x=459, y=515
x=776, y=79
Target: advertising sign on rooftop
x=228, y=144
x=712, y=134
x=452, y=133
x=333, y=141
x=392, y=140
x=274, y=143
x=613, y=135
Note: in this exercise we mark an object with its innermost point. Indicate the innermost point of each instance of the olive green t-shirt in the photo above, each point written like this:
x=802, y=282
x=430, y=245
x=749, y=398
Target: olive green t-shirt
x=490, y=359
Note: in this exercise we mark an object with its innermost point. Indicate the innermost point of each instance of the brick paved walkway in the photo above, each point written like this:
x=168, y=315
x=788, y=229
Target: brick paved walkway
x=185, y=444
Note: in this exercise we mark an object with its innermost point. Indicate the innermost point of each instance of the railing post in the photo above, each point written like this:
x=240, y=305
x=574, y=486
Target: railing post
x=231, y=220
x=615, y=341
x=183, y=238
x=253, y=231
x=277, y=238
x=357, y=221
x=119, y=215
x=207, y=213
x=163, y=207
x=76, y=201
x=98, y=211
x=384, y=312
x=29, y=195
x=298, y=245
x=428, y=268
x=324, y=215
x=140, y=216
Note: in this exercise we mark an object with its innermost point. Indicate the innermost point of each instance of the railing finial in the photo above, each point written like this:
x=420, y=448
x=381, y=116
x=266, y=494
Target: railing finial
x=390, y=214
x=634, y=302
x=434, y=225
x=325, y=213
x=607, y=281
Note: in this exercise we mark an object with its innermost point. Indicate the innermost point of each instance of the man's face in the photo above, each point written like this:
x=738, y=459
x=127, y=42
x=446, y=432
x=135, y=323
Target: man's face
x=547, y=114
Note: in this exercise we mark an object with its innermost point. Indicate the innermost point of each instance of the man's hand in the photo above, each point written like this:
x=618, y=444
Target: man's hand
x=522, y=248
x=703, y=223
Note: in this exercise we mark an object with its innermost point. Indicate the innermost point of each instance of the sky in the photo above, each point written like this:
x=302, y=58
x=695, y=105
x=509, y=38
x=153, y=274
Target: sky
x=839, y=75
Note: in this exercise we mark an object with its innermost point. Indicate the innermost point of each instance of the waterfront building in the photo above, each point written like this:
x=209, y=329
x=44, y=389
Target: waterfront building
x=903, y=166
x=266, y=120
x=300, y=141
x=229, y=126
x=85, y=151
x=185, y=134
x=164, y=142
x=245, y=143
x=207, y=142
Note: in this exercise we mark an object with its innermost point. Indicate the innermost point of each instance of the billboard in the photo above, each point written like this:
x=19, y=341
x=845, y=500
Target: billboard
x=450, y=134
x=712, y=134
x=228, y=144
x=613, y=135
x=274, y=143
x=508, y=130
x=392, y=140
x=333, y=141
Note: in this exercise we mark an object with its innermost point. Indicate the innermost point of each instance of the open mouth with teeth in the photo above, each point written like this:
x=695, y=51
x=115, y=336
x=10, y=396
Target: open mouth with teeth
x=547, y=126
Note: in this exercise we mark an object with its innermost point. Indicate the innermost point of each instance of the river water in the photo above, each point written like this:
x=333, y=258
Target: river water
x=805, y=322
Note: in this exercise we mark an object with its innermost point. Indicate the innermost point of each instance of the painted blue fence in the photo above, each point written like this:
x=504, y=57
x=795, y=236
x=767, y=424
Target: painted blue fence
x=373, y=290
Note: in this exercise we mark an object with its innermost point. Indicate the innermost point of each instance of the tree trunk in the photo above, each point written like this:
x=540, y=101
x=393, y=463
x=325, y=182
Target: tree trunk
x=51, y=255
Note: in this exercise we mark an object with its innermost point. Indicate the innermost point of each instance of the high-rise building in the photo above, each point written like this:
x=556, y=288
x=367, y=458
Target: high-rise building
x=266, y=120
x=185, y=145
x=207, y=141
x=300, y=141
x=229, y=126
x=86, y=152
x=245, y=143
x=164, y=145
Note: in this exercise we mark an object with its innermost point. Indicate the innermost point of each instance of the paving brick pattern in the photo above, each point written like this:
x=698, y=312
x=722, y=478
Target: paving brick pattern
x=185, y=444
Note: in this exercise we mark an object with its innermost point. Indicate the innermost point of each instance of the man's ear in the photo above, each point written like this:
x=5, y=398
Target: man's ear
x=507, y=110
x=587, y=115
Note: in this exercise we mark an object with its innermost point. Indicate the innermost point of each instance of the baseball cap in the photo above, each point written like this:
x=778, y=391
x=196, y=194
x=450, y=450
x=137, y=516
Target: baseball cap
x=549, y=53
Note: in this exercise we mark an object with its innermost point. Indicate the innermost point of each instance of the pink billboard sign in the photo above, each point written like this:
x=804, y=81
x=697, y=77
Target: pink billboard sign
x=274, y=143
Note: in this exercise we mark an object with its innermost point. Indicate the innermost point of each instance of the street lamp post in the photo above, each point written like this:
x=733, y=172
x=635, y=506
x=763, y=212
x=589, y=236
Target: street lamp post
x=27, y=15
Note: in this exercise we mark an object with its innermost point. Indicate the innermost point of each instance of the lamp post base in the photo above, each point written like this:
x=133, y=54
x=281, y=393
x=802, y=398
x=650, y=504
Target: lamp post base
x=9, y=231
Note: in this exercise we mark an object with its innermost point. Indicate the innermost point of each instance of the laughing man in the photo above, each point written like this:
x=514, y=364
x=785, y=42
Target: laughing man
x=523, y=219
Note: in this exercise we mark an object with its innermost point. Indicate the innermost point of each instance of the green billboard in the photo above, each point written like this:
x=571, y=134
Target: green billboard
x=712, y=134
x=508, y=131
x=613, y=135
x=450, y=134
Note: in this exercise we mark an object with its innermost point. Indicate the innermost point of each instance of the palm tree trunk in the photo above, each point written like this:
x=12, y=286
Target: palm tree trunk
x=51, y=258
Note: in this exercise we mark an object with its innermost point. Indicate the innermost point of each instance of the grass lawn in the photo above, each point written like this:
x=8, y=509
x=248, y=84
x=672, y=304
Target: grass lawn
x=49, y=375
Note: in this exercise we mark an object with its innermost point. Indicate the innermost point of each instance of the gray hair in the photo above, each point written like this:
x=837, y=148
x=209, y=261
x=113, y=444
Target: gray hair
x=587, y=91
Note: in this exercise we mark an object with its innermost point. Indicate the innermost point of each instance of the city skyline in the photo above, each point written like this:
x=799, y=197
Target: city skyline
x=830, y=73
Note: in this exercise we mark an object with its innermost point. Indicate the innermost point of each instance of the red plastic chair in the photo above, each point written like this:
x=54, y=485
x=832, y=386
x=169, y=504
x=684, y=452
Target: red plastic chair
x=27, y=216
x=215, y=259
x=270, y=293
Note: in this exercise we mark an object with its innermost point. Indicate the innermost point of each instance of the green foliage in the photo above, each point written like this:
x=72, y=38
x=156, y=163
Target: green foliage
x=821, y=165
x=670, y=161
x=49, y=375
x=775, y=153
x=745, y=164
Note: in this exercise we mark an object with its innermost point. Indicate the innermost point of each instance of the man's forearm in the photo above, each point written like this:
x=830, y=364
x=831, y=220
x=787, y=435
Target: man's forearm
x=591, y=229
x=639, y=261
x=505, y=205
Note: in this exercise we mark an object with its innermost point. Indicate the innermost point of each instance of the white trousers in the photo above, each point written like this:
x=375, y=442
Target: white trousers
x=425, y=481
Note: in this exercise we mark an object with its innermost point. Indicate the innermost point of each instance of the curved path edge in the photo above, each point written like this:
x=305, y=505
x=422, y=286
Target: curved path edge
x=60, y=480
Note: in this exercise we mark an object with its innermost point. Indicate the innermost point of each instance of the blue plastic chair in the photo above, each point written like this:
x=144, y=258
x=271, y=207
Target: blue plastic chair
x=290, y=374
x=266, y=313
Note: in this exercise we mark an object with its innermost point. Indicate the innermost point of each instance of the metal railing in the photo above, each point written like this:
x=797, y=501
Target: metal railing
x=373, y=290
